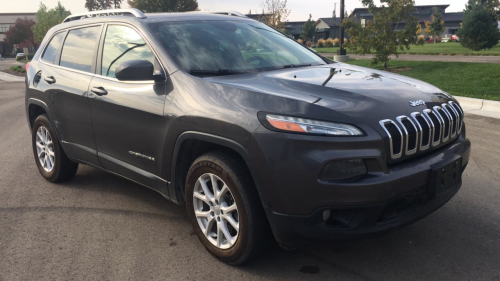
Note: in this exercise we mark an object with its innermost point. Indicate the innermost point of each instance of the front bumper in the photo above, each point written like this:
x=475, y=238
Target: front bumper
x=387, y=198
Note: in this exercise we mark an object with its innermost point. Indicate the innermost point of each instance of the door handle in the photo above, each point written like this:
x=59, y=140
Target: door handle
x=99, y=91
x=50, y=79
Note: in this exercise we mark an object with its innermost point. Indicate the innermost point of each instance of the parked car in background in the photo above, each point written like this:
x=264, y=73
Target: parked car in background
x=19, y=55
x=260, y=137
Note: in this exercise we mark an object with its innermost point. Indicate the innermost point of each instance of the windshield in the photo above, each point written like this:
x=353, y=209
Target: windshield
x=230, y=47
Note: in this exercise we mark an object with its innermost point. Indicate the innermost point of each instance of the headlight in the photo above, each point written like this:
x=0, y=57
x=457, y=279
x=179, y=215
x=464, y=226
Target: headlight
x=308, y=126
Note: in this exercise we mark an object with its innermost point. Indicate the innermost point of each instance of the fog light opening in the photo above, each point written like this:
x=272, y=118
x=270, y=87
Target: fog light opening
x=343, y=169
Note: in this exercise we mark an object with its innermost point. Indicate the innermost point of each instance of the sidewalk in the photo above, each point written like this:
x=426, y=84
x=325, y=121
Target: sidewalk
x=475, y=59
x=485, y=108
x=10, y=78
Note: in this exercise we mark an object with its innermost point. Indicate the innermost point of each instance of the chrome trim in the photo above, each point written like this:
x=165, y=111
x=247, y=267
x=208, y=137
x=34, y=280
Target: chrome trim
x=400, y=120
x=427, y=113
x=443, y=125
x=460, y=113
x=383, y=123
x=414, y=115
x=227, y=13
x=453, y=123
x=114, y=12
x=450, y=125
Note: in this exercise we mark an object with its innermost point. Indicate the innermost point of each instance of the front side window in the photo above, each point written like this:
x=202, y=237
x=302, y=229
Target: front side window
x=234, y=45
x=123, y=44
x=78, y=49
x=49, y=55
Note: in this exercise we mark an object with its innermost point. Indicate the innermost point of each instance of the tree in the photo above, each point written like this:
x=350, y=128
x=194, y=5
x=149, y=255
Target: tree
x=158, y=6
x=308, y=30
x=275, y=13
x=479, y=27
x=96, y=5
x=419, y=29
x=436, y=26
x=46, y=19
x=21, y=32
x=382, y=36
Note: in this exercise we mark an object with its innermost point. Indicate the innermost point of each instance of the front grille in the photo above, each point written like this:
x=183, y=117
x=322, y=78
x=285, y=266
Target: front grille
x=423, y=130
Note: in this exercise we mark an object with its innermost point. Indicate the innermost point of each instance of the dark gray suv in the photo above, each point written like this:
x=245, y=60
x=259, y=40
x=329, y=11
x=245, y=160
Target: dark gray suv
x=256, y=134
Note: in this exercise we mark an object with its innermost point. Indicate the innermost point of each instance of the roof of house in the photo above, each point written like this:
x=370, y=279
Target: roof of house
x=416, y=6
x=331, y=21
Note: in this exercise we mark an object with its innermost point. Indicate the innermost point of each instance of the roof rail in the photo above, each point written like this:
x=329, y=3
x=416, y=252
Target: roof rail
x=228, y=13
x=117, y=12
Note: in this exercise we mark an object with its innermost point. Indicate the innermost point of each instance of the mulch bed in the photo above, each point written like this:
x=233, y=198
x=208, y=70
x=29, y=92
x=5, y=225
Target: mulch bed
x=14, y=73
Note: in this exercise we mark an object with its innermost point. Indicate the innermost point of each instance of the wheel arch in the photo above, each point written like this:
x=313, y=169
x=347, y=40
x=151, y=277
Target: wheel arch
x=195, y=144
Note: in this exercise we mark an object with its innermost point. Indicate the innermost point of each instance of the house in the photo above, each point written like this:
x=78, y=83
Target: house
x=327, y=28
x=294, y=28
x=423, y=13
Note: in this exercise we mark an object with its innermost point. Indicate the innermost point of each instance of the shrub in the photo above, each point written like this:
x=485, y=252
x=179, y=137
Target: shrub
x=421, y=39
x=17, y=68
x=336, y=42
x=300, y=41
x=309, y=44
x=479, y=28
x=329, y=42
x=346, y=41
x=321, y=43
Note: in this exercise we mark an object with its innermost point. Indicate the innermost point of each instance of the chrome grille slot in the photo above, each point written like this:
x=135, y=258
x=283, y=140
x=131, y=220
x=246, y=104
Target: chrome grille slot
x=453, y=119
x=410, y=134
x=424, y=128
x=395, y=137
x=445, y=121
x=437, y=126
x=460, y=116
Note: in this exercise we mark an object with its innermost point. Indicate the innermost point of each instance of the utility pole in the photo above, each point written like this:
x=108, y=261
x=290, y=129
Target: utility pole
x=341, y=51
x=335, y=11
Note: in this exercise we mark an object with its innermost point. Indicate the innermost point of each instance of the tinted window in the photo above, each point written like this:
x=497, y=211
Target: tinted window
x=122, y=44
x=50, y=53
x=230, y=44
x=79, y=47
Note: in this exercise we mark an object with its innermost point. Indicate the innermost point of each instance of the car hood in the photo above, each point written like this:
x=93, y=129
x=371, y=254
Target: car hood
x=358, y=92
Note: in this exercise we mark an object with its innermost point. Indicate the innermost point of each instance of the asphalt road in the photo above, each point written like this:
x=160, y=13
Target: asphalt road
x=101, y=227
x=475, y=59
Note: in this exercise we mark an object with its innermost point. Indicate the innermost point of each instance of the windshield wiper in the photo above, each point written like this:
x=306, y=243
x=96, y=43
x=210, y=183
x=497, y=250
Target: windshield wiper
x=296, y=65
x=215, y=72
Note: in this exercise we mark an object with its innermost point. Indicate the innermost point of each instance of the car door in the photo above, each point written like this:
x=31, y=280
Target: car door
x=67, y=67
x=127, y=116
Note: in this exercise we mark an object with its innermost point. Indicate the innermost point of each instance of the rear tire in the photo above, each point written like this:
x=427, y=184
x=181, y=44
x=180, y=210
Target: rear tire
x=53, y=164
x=227, y=216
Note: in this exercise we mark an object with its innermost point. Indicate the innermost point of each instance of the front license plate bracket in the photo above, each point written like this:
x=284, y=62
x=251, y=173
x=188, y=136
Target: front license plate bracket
x=445, y=176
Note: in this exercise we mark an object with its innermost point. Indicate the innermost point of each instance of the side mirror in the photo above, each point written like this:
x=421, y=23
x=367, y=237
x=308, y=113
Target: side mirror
x=136, y=70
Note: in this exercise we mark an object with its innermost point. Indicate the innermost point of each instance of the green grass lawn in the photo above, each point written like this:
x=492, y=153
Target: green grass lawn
x=451, y=48
x=475, y=80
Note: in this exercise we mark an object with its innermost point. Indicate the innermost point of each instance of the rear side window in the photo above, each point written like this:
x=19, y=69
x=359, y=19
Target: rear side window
x=78, y=49
x=123, y=44
x=49, y=55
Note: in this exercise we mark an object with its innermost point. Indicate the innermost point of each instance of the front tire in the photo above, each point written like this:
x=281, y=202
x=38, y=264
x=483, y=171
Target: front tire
x=225, y=209
x=50, y=158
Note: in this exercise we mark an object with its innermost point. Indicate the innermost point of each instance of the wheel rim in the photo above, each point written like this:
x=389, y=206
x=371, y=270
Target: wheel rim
x=216, y=211
x=45, y=149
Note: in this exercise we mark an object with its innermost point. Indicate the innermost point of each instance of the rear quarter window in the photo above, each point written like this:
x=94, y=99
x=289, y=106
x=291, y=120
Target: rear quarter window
x=49, y=55
x=79, y=47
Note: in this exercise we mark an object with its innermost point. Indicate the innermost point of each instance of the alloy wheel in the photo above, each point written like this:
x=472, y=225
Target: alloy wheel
x=45, y=149
x=216, y=211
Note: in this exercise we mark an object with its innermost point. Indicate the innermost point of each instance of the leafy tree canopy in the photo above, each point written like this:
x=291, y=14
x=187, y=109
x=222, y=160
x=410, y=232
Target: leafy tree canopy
x=308, y=30
x=158, y=6
x=436, y=26
x=96, y=5
x=383, y=36
x=46, y=19
x=479, y=27
x=275, y=13
x=20, y=32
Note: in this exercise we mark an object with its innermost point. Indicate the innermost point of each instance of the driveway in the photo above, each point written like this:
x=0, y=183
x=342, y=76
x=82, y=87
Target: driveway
x=477, y=59
x=101, y=227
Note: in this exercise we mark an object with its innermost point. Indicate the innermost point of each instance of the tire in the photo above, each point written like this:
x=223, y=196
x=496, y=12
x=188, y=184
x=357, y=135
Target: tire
x=253, y=236
x=53, y=164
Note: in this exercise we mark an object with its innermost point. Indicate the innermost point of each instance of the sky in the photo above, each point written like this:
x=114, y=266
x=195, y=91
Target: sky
x=300, y=9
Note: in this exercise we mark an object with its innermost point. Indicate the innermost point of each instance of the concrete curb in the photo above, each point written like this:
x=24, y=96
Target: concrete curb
x=11, y=78
x=481, y=107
